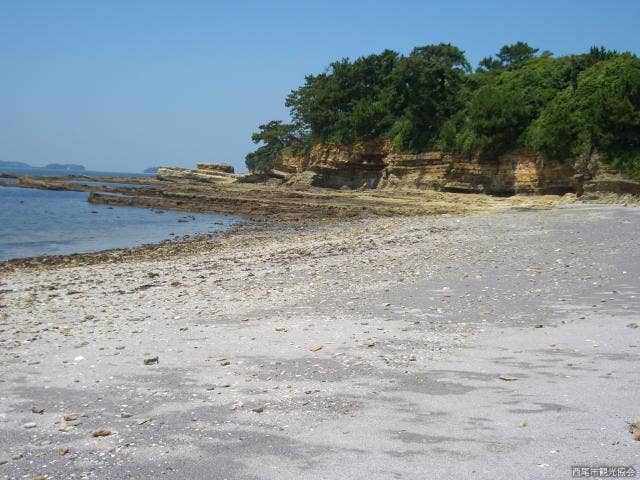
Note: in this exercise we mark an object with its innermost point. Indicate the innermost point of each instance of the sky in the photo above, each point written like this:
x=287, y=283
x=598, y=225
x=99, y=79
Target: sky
x=122, y=85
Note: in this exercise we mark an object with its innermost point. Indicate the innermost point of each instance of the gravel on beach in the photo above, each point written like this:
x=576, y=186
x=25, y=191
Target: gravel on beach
x=499, y=346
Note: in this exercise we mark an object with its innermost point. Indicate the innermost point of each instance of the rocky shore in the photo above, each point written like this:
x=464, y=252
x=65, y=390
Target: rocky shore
x=265, y=205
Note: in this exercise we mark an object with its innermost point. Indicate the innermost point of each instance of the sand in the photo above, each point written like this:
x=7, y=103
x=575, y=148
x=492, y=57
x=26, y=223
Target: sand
x=499, y=345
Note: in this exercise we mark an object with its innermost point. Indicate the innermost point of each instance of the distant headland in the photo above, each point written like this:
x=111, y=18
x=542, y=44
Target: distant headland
x=67, y=167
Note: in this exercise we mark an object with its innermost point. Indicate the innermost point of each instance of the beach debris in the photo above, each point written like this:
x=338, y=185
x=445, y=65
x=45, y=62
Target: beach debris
x=151, y=360
x=507, y=378
x=37, y=409
x=224, y=362
x=29, y=425
x=63, y=451
x=632, y=325
x=281, y=328
x=315, y=348
x=101, y=433
x=143, y=421
x=258, y=409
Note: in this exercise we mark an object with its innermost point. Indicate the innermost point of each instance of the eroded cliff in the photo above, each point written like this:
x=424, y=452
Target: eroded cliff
x=374, y=165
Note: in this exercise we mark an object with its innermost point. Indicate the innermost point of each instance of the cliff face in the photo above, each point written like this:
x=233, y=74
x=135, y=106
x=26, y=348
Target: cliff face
x=338, y=166
x=372, y=165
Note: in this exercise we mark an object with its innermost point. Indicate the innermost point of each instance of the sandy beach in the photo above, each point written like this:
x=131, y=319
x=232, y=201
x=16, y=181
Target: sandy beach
x=498, y=345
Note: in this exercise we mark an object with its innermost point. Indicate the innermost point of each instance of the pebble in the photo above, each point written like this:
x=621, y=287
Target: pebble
x=151, y=360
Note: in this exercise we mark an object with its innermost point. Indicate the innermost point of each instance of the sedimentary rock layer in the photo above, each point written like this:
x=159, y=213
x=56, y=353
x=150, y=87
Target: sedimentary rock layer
x=373, y=165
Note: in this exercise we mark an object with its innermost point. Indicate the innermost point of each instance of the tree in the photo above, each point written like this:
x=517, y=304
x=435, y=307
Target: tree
x=490, y=64
x=504, y=105
x=275, y=137
x=349, y=101
x=444, y=55
x=601, y=114
x=509, y=55
x=516, y=53
x=427, y=88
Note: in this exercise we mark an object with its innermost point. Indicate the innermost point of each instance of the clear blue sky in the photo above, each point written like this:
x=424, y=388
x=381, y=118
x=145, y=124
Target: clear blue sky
x=122, y=85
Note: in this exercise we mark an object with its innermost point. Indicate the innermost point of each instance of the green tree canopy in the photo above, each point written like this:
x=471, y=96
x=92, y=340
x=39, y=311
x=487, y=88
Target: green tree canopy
x=562, y=107
x=275, y=137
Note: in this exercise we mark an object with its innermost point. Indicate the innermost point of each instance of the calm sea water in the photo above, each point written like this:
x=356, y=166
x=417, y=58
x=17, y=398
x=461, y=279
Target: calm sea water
x=45, y=222
x=56, y=173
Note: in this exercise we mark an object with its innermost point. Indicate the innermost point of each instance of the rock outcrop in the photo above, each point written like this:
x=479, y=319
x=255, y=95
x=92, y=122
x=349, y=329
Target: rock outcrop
x=373, y=165
x=216, y=167
x=174, y=174
x=612, y=184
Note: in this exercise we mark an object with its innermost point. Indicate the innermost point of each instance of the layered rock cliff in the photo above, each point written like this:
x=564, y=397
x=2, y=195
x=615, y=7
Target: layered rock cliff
x=373, y=165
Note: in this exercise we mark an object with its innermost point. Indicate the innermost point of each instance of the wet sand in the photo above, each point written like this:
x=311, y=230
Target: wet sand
x=499, y=346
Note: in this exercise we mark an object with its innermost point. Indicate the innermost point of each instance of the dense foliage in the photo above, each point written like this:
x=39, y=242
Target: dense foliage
x=562, y=107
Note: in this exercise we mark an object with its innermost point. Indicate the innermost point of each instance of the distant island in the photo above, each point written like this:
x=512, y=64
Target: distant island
x=153, y=170
x=67, y=167
x=14, y=164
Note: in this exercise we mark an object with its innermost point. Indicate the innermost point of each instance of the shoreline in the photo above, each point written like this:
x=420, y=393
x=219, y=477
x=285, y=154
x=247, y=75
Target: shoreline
x=264, y=208
x=196, y=243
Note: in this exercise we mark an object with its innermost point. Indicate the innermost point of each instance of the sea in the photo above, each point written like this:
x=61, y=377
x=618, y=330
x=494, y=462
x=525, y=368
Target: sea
x=46, y=222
